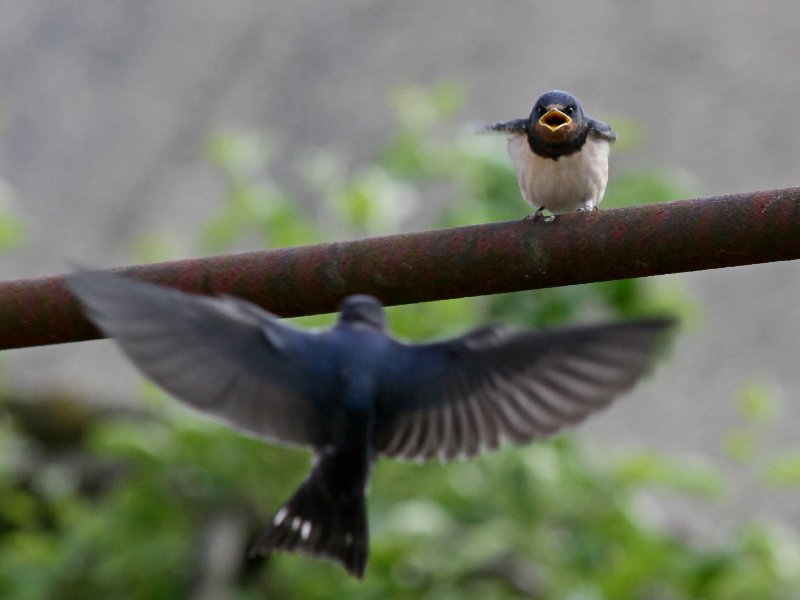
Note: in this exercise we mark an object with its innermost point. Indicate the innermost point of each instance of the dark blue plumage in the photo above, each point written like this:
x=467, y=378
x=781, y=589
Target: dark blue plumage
x=352, y=392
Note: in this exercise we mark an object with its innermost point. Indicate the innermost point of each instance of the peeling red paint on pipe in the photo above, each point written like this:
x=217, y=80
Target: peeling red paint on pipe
x=671, y=237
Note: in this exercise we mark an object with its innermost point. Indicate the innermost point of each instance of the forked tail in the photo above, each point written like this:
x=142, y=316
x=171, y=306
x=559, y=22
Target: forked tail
x=314, y=523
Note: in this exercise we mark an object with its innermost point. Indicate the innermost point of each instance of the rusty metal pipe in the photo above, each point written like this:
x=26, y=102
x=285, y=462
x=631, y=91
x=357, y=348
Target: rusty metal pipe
x=671, y=237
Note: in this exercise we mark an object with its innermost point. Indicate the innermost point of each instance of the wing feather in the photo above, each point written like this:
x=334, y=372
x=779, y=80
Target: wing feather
x=469, y=394
x=513, y=127
x=222, y=356
x=601, y=129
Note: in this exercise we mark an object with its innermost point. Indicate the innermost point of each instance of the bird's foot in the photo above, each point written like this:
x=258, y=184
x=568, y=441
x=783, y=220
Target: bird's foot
x=538, y=215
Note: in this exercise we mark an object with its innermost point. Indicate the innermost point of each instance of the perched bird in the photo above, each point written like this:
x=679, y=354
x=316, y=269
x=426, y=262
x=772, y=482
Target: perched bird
x=560, y=154
x=353, y=393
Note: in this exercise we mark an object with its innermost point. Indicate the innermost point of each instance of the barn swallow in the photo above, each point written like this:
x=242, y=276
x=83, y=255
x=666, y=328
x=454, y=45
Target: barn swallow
x=353, y=393
x=560, y=154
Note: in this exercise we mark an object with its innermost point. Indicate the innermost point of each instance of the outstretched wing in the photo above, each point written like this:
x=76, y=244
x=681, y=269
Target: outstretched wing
x=222, y=356
x=459, y=397
x=602, y=130
x=515, y=127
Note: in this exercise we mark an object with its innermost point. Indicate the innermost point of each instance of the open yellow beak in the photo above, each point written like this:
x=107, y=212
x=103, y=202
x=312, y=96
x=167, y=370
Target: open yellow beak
x=554, y=119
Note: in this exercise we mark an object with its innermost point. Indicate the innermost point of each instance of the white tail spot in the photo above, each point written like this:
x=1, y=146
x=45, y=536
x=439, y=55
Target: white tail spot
x=348, y=539
x=280, y=516
x=296, y=523
x=305, y=530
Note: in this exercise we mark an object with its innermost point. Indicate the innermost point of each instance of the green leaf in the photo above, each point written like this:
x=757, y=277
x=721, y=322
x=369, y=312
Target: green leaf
x=784, y=470
x=649, y=468
x=757, y=402
x=739, y=445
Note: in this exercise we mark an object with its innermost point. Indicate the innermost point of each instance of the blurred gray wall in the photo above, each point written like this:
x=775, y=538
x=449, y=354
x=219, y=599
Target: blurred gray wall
x=105, y=105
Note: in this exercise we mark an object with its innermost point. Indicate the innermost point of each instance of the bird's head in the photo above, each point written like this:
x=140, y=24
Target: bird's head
x=557, y=125
x=362, y=310
x=557, y=115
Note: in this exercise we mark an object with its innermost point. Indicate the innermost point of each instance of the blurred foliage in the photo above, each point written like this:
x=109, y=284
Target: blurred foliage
x=11, y=228
x=757, y=408
x=125, y=512
x=163, y=504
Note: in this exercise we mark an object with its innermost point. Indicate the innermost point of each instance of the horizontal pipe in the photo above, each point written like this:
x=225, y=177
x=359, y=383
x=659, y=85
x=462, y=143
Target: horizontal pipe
x=669, y=237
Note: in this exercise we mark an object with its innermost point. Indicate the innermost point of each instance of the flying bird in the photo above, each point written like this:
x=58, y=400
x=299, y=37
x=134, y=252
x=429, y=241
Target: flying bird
x=353, y=393
x=560, y=154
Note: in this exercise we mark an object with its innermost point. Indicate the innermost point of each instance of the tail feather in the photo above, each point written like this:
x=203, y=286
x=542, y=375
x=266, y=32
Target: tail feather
x=315, y=524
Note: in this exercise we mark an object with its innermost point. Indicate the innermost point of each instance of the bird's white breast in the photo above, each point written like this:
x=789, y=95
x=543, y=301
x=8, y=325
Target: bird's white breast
x=565, y=184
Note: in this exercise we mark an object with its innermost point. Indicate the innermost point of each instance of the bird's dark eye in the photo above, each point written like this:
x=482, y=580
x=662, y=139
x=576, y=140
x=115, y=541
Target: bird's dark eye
x=570, y=110
x=540, y=110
